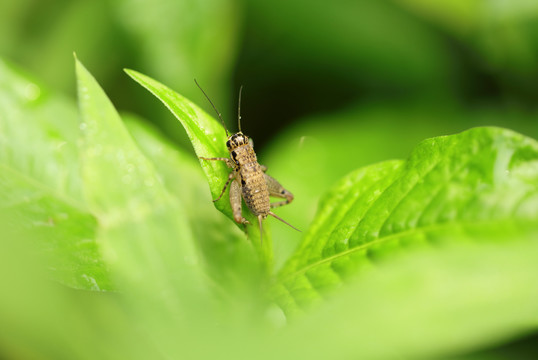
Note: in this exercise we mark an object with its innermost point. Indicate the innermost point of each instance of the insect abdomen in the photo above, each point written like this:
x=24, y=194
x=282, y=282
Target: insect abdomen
x=255, y=192
x=253, y=185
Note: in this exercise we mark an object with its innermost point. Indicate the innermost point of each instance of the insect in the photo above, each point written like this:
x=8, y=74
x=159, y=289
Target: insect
x=248, y=178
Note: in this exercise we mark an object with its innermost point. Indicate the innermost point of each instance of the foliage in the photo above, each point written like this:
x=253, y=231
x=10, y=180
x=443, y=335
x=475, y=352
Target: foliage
x=428, y=247
x=388, y=120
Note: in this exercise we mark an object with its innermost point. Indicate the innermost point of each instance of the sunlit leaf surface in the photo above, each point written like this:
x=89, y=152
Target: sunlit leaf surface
x=143, y=228
x=480, y=183
x=209, y=140
x=40, y=185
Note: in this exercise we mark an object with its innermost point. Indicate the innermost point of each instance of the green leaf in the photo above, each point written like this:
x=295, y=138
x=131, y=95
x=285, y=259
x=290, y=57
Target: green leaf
x=44, y=320
x=328, y=147
x=40, y=185
x=227, y=256
x=209, y=140
x=142, y=226
x=480, y=183
x=426, y=304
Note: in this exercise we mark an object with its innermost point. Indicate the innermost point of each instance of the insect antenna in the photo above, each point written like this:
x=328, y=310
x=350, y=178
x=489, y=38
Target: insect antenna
x=214, y=107
x=276, y=217
x=239, y=109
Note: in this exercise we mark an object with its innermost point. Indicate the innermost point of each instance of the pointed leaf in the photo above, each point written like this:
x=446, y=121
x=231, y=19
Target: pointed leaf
x=227, y=256
x=143, y=227
x=40, y=185
x=208, y=138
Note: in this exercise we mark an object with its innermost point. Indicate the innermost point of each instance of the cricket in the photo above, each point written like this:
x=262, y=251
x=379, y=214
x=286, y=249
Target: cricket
x=248, y=178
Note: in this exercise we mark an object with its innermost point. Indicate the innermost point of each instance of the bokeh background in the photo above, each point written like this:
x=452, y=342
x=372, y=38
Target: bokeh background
x=345, y=82
x=431, y=63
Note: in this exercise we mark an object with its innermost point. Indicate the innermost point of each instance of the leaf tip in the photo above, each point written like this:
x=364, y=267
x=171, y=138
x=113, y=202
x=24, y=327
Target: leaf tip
x=79, y=68
x=78, y=64
x=133, y=74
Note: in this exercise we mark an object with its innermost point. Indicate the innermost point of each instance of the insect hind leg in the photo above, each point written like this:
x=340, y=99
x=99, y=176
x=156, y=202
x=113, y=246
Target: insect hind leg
x=235, y=202
x=281, y=203
x=277, y=190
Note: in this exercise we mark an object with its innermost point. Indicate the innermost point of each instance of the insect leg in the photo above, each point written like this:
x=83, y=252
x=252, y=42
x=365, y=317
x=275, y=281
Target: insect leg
x=229, y=162
x=235, y=201
x=277, y=190
x=230, y=177
x=263, y=167
x=260, y=224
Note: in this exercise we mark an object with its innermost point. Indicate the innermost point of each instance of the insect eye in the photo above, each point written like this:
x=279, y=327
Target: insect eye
x=234, y=157
x=228, y=144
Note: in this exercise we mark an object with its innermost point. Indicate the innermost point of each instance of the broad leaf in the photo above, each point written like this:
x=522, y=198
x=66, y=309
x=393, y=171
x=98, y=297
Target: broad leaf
x=426, y=304
x=477, y=183
x=209, y=140
x=44, y=320
x=40, y=185
x=226, y=253
x=314, y=154
x=143, y=227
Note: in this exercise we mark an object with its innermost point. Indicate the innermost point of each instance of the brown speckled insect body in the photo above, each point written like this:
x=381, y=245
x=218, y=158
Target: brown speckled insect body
x=248, y=178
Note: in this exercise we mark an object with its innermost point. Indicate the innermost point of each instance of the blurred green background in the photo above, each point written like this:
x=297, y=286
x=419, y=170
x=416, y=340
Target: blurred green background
x=351, y=82
x=378, y=76
x=475, y=60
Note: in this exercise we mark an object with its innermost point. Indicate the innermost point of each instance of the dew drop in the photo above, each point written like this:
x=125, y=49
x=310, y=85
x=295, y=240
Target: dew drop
x=32, y=92
x=190, y=260
x=276, y=316
x=63, y=216
x=60, y=145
